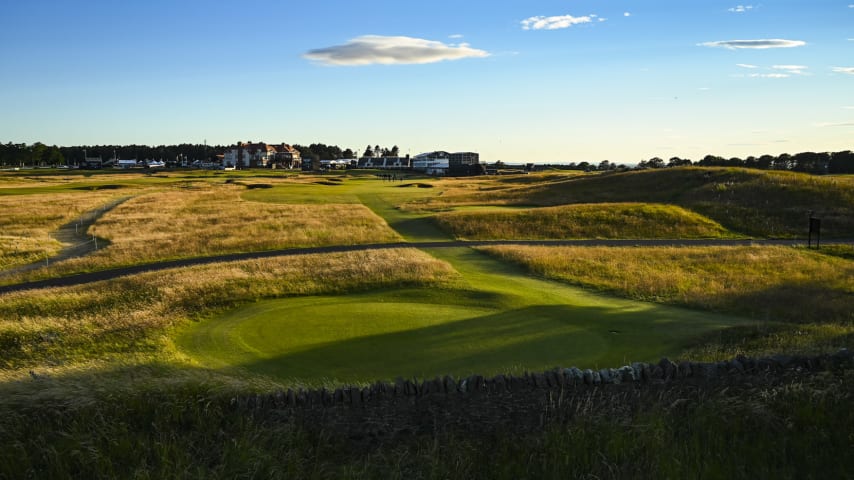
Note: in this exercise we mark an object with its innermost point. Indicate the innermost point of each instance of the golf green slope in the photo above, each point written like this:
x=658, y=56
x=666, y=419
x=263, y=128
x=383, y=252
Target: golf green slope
x=497, y=320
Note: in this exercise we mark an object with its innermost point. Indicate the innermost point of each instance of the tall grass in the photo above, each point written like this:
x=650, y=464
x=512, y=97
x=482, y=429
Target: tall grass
x=604, y=220
x=130, y=315
x=769, y=284
x=28, y=220
x=213, y=219
x=752, y=202
x=775, y=283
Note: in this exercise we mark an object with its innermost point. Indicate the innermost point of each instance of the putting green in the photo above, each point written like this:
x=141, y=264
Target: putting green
x=498, y=320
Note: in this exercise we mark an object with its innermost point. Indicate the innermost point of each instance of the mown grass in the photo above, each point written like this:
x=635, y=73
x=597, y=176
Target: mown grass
x=751, y=202
x=607, y=220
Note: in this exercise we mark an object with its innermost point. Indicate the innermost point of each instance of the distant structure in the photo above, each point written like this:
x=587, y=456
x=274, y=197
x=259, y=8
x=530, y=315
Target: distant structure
x=261, y=155
x=386, y=163
x=91, y=162
x=441, y=163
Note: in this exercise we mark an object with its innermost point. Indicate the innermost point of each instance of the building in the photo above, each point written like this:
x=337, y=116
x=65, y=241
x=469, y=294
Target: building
x=385, y=163
x=261, y=155
x=442, y=163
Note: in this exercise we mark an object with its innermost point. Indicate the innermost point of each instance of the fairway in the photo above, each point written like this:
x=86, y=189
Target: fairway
x=497, y=320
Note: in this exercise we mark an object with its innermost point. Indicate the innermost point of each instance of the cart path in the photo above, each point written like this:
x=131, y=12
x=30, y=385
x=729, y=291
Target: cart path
x=83, y=278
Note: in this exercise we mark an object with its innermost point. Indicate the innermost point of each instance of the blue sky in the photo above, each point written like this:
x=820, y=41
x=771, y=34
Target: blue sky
x=517, y=81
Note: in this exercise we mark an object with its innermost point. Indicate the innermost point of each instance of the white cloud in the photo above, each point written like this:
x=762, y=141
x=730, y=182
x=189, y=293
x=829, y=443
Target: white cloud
x=754, y=44
x=377, y=49
x=456, y=35
x=745, y=65
x=557, y=22
x=846, y=70
x=793, y=69
x=741, y=8
x=834, y=124
x=627, y=14
x=769, y=75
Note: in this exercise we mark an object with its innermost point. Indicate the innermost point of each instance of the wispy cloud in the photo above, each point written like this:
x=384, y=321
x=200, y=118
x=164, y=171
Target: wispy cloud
x=769, y=75
x=754, y=44
x=627, y=14
x=456, y=35
x=746, y=65
x=834, y=124
x=557, y=22
x=741, y=8
x=793, y=69
x=845, y=70
x=377, y=49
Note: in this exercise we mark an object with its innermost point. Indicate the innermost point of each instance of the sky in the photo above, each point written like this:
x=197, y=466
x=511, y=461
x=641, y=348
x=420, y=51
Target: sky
x=516, y=80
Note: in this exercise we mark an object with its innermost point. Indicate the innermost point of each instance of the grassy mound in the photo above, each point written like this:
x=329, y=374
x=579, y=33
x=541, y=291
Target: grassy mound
x=761, y=203
x=607, y=220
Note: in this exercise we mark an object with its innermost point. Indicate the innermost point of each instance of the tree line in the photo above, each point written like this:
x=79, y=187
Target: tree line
x=39, y=154
x=818, y=163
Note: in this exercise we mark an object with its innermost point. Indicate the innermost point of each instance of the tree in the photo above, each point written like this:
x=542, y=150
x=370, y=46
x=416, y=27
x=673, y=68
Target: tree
x=678, y=162
x=841, y=162
x=655, y=162
x=368, y=152
x=347, y=154
x=395, y=152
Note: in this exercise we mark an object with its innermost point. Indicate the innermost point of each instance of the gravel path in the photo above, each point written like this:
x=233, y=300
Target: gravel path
x=120, y=272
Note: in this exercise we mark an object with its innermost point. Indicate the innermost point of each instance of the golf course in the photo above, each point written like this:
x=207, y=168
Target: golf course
x=196, y=288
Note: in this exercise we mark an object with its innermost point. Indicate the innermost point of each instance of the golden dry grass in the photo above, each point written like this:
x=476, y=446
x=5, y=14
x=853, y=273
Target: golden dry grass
x=769, y=283
x=28, y=220
x=604, y=220
x=131, y=315
x=214, y=219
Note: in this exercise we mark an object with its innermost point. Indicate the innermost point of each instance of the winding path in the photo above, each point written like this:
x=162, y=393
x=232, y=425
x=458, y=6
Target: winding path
x=83, y=278
x=76, y=242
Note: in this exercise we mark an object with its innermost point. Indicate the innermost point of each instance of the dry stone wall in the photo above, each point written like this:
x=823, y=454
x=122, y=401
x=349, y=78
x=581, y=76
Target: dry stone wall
x=485, y=404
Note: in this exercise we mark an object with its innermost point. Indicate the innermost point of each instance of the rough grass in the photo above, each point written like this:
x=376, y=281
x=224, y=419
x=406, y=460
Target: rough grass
x=28, y=220
x=213, y=220
x=604, y=220
x=752, y=202
x=773, y=283
x=130, y=315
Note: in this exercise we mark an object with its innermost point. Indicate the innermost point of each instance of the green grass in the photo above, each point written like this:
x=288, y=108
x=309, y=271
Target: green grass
x=495, y=320
x=110, y=395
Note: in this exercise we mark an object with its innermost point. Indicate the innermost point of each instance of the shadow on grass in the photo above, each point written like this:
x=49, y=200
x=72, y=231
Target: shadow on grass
x=531, y=338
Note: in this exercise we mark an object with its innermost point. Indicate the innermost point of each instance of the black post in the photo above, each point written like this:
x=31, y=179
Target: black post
x=815, y=227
